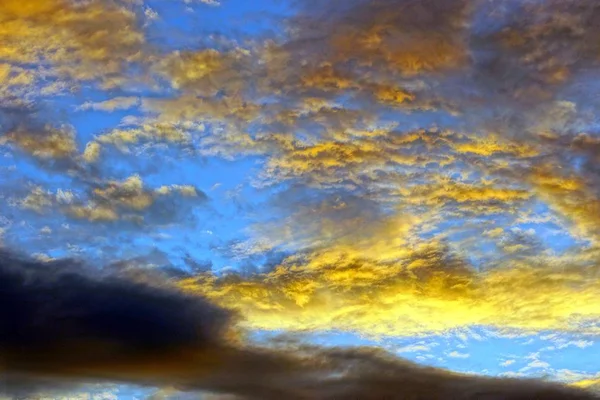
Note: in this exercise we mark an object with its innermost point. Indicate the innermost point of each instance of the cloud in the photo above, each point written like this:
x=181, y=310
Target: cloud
x=43, y=142
x=592, y=383
x=208, y=2
x=74, y=322
x=398, y=37
x=540, y=43
x=404, y=140
x=406, y=291
x=35, y=130
x=150, y=132
x=125, y=200
x=206, y=71
x=117, y=103
x=70, y=38
x=456, y=354
x=74, y=325
x=413, y=348
x=51, y=49
x=313, y=101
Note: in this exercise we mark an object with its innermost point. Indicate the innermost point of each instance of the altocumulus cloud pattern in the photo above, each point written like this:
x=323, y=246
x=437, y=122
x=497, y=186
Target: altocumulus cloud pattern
x=299, y=199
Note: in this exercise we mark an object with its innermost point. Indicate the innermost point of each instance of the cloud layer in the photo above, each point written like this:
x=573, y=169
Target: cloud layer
x=407, y=168
x=67, y=324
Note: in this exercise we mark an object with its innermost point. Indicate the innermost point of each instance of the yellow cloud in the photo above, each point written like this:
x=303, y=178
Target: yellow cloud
x=129, y=193
x=392, y=95
x=123, y=139
x=190, y=67
x=117, y=103
x=571, y=197
x=423, y=292
x=588, y=383
x=93, y=212
x=406, y=39
x=325, y=77
x=205, y=71
x=185, y=190
x=91, y=152
x=13, y=79
x=74, y=39
x=491, y=146
x=350, y=158
x=47, y=142
x=38, y=200
x=496, y=232
x=111, y=201
x=444, y=192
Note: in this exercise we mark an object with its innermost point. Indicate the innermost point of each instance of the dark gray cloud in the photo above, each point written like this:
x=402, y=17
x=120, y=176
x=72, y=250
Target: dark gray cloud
x=62, y=318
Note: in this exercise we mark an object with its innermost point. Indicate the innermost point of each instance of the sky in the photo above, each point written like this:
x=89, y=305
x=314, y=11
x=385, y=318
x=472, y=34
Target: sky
x=299, y=199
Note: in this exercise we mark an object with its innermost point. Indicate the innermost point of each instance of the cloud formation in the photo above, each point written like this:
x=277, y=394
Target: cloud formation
x=68, y=324
x=70, y=38
x=116, y=200
x=399, y=292
x=423, y=165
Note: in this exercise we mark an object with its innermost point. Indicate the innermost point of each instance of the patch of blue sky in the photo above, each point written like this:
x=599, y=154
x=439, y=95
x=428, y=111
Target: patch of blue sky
x=218, y=217
x=93, y=123
x=482, y=25
x=39, y=234
x=132, y=392
x=546, y=225
x=478, y=350
x=220, y=222
x=578, y=162
x=29, y=169
x=552, y=236
x=456, y=229
x=583, y=100
x=572, y=352
x=182, y=24
x=482, y=253
x=540, y=208
x=86, y=125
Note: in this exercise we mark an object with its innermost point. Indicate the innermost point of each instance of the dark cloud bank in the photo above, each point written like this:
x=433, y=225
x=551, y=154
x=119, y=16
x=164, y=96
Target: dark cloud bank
x=63, y=324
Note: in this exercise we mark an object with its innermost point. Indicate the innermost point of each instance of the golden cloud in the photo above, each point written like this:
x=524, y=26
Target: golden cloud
x=205, y=71
x=425, y=291
x=45, y=142
x=128, y=199
x=72, y=38
x=572, y=197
